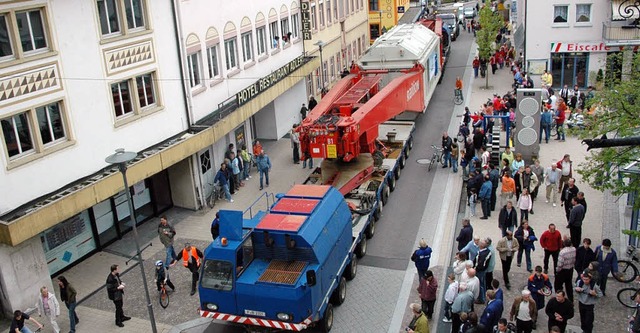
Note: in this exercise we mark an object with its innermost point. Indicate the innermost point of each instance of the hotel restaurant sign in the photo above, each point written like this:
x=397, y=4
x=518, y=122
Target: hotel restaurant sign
x=248, y=93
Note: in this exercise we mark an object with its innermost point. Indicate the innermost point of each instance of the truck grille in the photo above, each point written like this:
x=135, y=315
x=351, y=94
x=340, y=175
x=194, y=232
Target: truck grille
x=283, y=272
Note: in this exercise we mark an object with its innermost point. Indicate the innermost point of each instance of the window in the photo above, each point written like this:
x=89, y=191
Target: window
x=231, y=53
x=247, y=47
x=193, y=64
x=217, y=275
x=273, y=34
x=141, y=88
x=583, y=13
x=310, y=84
x=20, y=131
x=332, y=68
x=318, y=76
x=113, y=12
x=325, y=72
x=314, y=25
x=5, y=42
x=295, y=22
x=261, y=37
x=31, y=30
x=560, y=14
x=214, y=61
x=321, y=12
x=328, y=5
x=284, y=28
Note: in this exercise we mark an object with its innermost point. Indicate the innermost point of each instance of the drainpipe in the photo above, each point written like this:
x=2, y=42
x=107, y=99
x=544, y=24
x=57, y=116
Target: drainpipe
x=524, y=47
x=177, y=24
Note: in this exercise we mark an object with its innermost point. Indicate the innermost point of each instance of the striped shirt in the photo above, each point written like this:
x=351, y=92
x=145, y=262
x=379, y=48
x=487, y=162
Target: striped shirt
x=566, y=258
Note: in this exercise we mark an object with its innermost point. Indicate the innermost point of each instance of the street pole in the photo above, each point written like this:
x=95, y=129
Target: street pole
x=380, y=24
x=121, y=158
x=320, y=44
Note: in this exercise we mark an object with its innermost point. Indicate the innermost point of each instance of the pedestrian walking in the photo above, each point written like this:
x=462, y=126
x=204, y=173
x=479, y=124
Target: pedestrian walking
x=588, y=292
x=529, y=181
x=295, y=144
x=538, y=171
x=508, y=188
x=257, y=148
x=68, y=296
x=502, y=327
x=465, y=235
x=551, y=243
x=608, y=260
x=221, y=178
x=421, y=258
x=524, y=311
x=17, y=324
x=508, y=218
x=551, y=180
x=525, y=204
x=191, y=259
x=476, y=67
x=427, y=289
x=485, y=197
x=419, y=323
x=493, y=312
x=48, y=305
x=559, y=310
x=303, y=112
x=564, y=271
x=507, y=247
x=463, y=303
x=546, y=118
x=566, y=166
x=526, y=238
x=264, y=166
x=449, y=296
x=576, y=217
x=115, y=291
x=581, y=200
x=569, y=191
x=538, y=284
x=166, y=233
x=584, y=255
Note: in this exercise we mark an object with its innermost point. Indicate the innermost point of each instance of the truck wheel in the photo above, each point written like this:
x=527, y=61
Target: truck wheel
x=352, y=269
x=326, y=323
x=410, y=144
x=384, y=194
x=403, y=160
x=338, y=296
x=361, y=249
x=371, y=229
x=377, y=213
x=397, y=172
x=406, y=152
x=392, y=182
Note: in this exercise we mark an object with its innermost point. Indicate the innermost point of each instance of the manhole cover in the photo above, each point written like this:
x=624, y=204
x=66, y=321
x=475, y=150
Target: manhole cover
x=423, y=161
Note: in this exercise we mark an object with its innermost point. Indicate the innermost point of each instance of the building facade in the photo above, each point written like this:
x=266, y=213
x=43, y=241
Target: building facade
x=385, y=14
x=575, y=39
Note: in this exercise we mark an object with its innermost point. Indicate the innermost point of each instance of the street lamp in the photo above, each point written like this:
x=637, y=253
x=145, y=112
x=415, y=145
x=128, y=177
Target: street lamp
x=380, y=23
x=321, y=44
x=121, y=158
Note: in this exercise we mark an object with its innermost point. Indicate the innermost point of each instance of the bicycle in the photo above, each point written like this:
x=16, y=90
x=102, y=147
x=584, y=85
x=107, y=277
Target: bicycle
x=163, y=295
x=626, y=297
x=217, y=193
x=437, y=156
x=627, y=270
x=457, y=97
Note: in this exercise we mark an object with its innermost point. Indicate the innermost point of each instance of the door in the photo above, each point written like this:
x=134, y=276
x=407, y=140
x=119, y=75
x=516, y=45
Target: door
x=205, y=157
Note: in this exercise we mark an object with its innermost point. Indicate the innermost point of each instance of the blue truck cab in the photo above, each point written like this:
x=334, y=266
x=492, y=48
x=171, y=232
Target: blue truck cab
x=281, y=268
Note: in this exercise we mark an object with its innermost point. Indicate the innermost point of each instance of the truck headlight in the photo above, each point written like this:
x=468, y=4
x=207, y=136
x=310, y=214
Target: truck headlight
x=211, y=307
x=284, y=316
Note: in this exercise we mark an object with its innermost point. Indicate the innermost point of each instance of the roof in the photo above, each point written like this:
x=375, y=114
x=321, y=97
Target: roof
x=403, y=44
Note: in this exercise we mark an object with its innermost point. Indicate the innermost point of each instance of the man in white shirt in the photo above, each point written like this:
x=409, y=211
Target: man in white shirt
x=551, y=180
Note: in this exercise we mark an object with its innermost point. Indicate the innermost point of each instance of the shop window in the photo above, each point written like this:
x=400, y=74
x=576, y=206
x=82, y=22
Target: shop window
x=583, y=13
x=68, y=241
x=560, y=14
x=569, y=69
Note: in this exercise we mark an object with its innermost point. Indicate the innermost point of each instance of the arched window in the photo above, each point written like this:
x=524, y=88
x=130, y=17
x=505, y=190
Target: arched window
x=274, y=35
x=231, y=46
x=261, y=35
x=246, y=36
x=212, y=40
x=194, y=60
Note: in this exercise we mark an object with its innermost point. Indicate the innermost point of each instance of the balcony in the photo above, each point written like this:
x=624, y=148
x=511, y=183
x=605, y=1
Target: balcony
x=620, y=33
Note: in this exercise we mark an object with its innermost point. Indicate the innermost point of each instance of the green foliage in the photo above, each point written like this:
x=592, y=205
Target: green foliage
x=599, y=76
x=490, y=24
x=616, y=115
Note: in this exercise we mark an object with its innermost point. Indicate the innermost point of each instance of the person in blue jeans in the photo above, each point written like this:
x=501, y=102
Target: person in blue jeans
x=485, y=197
x=68, y=296
x=455, y=152
x=264, y=166
x=221, y=179
x=166, y=233
x=526, y=237
x=446, y=149
x=546, y=118
x=17, y=324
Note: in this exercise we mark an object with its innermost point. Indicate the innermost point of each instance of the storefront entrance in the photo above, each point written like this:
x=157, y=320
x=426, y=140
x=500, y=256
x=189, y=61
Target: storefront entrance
x=570, y=69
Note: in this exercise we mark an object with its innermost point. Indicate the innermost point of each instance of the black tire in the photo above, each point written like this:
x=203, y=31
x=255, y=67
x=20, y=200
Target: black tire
x=410, y=144
x=626, y=296
x=384, y=194
x=397, y=172
x=340, y=294
x=371, y=229
x=432, y=162
x=627, y=271
x=377, y=213
x=326, y=323
x=403, y=160
x=361, y=248
x=406, y=152
x=164, y=298
x=352, y=269
x=392, y=182
x=442, y=159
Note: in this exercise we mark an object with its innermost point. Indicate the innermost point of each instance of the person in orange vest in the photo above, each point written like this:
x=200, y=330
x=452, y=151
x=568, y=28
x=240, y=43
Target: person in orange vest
x=191, y=259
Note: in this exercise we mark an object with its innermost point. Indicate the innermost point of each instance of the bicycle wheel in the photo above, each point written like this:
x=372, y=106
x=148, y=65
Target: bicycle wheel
x=457, y=100
x=627, y=271
x=626, y=295
x=432, y=162
x=554, y=130
x=164, y=298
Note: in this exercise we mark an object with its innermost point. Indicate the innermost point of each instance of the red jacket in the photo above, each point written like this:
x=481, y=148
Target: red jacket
x=476, y=63
x=426, y=290
x=551, y=241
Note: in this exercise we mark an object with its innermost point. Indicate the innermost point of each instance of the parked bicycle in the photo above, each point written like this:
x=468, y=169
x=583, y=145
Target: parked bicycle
x=457, y=97
x=217, y=193
x=626, y=297
x=627, y=270
x=436, y=157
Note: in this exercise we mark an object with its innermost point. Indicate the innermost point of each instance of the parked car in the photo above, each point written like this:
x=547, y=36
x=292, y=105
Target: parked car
x=451, y=22
x=469, y=12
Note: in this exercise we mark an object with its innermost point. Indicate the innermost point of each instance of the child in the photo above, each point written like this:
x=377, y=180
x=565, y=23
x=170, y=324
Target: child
x=162, y=276
x=449, y=296
x=473, y=200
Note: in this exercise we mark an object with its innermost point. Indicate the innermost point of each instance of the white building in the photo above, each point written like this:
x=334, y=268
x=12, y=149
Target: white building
x=573, y=39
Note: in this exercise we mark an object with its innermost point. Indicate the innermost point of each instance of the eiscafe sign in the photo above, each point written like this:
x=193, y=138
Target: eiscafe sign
x=248, y=93
x=561, y=47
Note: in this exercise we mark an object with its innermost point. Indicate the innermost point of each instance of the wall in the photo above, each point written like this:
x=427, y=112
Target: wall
x=182, y=185
x=265, y=120
x=287, y=108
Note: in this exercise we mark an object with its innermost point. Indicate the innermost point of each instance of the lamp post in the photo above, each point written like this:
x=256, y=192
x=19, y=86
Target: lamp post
x=121, y=158
x=320, y=44
x=380, y=23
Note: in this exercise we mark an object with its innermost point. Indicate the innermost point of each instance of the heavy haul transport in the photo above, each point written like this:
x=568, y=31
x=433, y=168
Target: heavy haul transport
x=286, y=267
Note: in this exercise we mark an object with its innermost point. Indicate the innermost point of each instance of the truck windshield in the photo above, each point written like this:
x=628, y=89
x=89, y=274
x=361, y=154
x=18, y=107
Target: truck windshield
x=217, y=275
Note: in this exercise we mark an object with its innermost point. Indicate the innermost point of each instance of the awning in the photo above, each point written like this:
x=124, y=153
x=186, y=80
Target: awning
x=622, y=10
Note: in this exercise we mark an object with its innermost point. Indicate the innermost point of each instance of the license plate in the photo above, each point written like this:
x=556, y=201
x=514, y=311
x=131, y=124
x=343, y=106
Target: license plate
x=254, y=313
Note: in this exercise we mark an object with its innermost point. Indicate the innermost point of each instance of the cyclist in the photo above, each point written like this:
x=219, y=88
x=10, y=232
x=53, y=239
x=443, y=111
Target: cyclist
x=162, y=276
x=459, y=87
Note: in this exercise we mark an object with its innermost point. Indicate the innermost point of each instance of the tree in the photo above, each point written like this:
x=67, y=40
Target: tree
x=490, y=24
x=616, y=115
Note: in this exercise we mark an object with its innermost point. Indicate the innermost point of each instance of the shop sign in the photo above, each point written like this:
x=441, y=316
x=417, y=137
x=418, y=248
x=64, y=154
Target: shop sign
x=400, y=9
x=558, y=47
x=248, y=93
x=306, y=20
